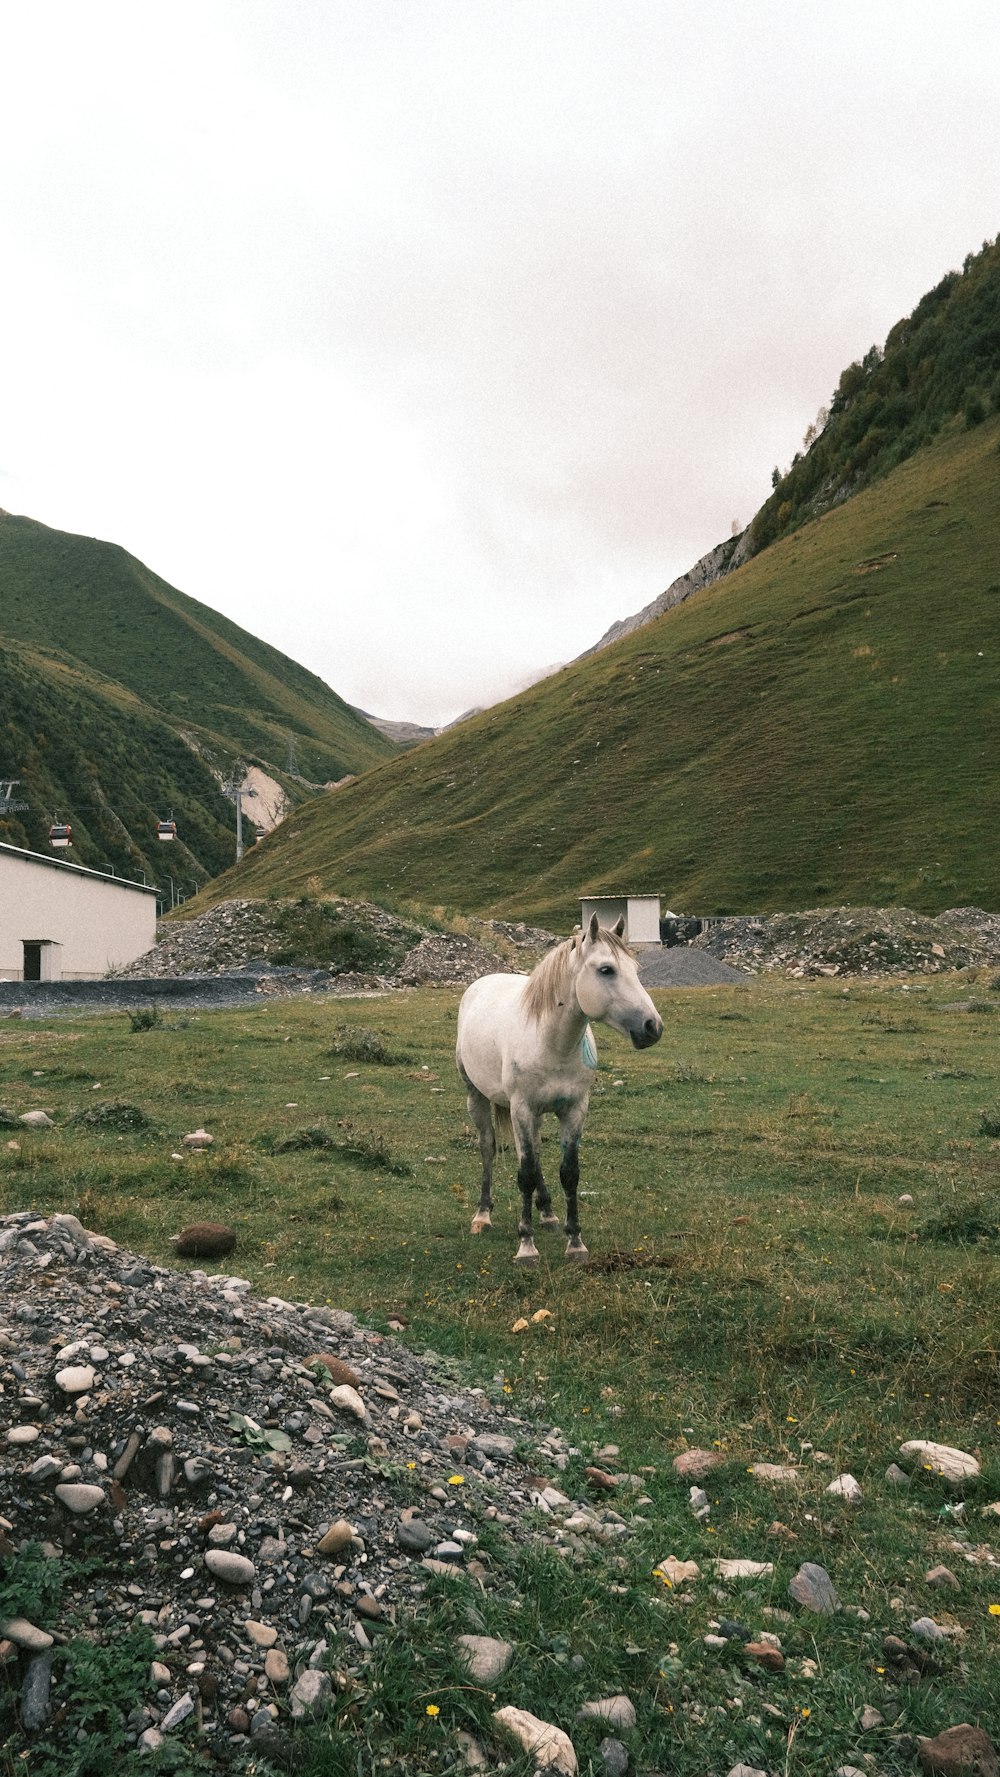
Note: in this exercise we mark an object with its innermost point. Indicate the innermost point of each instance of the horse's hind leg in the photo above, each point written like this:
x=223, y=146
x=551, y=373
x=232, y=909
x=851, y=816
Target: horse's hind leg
x=481, y=1112
x=570, y=1129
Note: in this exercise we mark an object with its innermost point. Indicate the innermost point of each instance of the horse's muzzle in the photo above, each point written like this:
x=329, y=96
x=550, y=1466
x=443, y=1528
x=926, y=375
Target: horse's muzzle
x=651, y=1032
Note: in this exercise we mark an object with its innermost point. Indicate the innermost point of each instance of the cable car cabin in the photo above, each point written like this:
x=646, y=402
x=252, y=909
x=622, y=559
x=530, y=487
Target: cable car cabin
x=60, y=834
x=166, y=830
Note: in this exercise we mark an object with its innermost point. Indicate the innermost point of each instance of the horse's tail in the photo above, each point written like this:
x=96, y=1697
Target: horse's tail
x=503, y=1128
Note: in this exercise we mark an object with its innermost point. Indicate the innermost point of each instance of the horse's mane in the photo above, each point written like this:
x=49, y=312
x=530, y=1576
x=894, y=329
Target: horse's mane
x=547, y=981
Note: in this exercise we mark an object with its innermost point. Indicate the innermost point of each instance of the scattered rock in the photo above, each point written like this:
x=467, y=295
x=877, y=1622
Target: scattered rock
x=766, y=1655
x=552, y=1749
x=942, y=1576
x=616, y=1712
x=230, y=1568
x=24, y=1634
x=485, y=1658
x=870, y=1718
x=948, y=1464
x=774, y=1472
x=961, y=1751
x=677, y=1573
x=697, y=1465
x=199, y=1138
x=846, y=1487
x=204, y=1240
x=614, y=1757
x=742, y=1569
x=813, y=1588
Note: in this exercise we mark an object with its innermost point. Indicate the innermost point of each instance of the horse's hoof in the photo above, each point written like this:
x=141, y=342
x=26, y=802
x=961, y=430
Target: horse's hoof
x=575, y=1249
x=550, y=1221
x=527, y=1253
x=481, y=1225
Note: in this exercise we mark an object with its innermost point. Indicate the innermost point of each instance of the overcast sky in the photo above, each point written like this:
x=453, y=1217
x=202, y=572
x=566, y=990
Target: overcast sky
x=425, y=338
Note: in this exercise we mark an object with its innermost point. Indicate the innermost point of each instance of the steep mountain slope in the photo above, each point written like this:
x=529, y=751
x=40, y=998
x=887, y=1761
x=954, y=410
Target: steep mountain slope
x=817, y=727
x=121, y=698
x=941, y=361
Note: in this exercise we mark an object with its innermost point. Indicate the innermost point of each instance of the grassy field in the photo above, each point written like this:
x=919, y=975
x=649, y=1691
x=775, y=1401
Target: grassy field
x=756, y=1286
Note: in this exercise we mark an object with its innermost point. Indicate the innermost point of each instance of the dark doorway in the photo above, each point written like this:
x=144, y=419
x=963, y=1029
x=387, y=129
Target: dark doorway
x=32, y=961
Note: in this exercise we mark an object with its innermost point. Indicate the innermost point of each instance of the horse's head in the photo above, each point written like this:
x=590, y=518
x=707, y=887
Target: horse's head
x=608, y=988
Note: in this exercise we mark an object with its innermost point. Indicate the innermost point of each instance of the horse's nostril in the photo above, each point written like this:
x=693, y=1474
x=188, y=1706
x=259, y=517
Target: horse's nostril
x=652, y=1027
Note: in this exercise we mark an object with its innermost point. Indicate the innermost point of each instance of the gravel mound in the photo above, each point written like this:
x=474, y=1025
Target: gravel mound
x=855, y=941
x=683, y=966
x=259, y=1512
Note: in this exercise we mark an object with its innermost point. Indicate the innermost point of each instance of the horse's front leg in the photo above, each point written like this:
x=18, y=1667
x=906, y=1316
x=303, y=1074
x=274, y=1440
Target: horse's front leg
x=529, y=1178
x=481, y=1113
x=570, y=1130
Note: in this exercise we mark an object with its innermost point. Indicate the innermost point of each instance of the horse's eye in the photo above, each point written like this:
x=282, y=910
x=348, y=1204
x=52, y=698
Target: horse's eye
x=606, y=969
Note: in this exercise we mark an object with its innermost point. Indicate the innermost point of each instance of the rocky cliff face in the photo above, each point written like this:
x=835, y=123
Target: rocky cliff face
x=719, y=562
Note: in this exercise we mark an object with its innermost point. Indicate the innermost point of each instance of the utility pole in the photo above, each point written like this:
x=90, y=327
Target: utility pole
x=236, y=788
x=9, y=803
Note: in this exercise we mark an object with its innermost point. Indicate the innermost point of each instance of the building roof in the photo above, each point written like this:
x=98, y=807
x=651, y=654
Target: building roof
x=37, y=857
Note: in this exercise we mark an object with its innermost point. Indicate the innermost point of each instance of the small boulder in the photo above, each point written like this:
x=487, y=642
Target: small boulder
x=204, y=1240
x=955, y=1466
x=961, y=1751
x=485, y=1658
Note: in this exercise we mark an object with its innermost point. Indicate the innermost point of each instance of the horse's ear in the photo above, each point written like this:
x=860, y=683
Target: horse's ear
x=594, y=927
x=620, y=927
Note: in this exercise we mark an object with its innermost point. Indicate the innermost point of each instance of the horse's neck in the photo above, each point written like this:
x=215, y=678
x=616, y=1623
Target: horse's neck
x=565, y=1025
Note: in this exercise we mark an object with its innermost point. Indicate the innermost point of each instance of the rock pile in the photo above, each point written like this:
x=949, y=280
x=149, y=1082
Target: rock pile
x=856, y=941
x=242, y=936
x=269, y=1484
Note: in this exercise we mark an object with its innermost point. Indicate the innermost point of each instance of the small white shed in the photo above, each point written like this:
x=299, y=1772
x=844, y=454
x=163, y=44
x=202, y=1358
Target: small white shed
x=61, y=922
x=640, y=912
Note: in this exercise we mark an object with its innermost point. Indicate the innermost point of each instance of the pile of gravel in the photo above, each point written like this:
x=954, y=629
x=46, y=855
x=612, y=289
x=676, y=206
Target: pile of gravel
x=855, y=941
x=266, y=1485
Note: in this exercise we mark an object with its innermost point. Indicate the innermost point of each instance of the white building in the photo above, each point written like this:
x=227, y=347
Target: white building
x=60, y=922
x=641, y=914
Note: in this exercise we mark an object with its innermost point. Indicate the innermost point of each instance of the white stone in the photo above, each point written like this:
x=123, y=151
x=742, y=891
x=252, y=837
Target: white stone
x=677, y=1572
x=76, y=1378
x=616, y=1712
x=773, y=1471
x=550, y=1747
x=80, y=1499
x=742, y=1570
x=23, y=1434
x=37, y=1120
x=846, y=1487
x=951, y=1465
x=348, y=1400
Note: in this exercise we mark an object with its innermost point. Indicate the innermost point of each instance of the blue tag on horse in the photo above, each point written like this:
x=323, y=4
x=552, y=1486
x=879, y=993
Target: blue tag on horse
x=587, y=1049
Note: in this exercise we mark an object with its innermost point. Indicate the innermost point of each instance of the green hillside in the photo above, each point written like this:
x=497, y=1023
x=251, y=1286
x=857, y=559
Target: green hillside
x=942, y=360
x=819, y=727
x=119, y=695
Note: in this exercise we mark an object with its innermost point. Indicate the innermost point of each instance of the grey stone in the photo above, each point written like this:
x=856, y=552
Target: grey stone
x=486, y=1659
x=616, y=1712
x=231, y=1569
x=35, y=1691
x=414, y=1536
x=177, y=1713
x=614, y=1757
x=813, y=1588
x=311, y=1692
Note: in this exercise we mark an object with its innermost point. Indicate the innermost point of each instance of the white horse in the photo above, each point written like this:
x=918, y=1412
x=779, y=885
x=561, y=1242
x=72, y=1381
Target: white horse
x=525, y=1047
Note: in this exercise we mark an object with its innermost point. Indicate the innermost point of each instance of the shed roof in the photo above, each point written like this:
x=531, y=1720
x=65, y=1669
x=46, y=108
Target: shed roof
x=37, y=857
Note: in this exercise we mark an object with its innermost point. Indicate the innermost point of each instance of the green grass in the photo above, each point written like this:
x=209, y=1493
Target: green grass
x=811, y=730
x=757, y=1286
